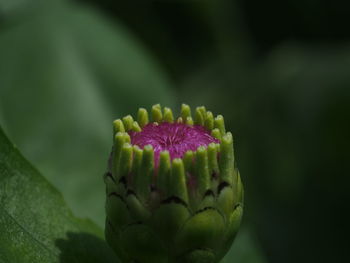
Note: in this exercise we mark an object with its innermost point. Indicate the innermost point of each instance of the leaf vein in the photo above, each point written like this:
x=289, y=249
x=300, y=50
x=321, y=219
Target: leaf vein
x=29, y=233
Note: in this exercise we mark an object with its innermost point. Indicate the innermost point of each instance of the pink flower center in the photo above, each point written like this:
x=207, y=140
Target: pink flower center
x=177, y=138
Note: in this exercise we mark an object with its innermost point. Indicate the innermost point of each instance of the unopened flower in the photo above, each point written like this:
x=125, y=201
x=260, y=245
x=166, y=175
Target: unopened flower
x=173, y=192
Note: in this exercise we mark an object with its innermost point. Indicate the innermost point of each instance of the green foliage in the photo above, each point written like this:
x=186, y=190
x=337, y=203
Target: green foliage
x=35, y=223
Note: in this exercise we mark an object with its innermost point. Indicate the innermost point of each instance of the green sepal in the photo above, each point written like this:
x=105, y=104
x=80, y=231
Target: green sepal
x=168, y=115
x=125, y=162
x=111, y=186
x=216, y=133
x=185, y=112
x=147, y=164
x=145, y=174
x=127, y=137
x=119, y=140
x=225, y=201
x=121, y=188
x=220, y=124
x=117, y=211
x=208, y=201
x=226, y=162
x=136, y=164
x=142, y=244
x=136, y=127
x=138, y=211
x=128, y=122
x=202, y=230
x=203, y=110
x=236, y=186
x=240, y=189
x=164, y=174
x=233, y=224
x=209, y=121
x=189, y=121
x=213, y=158
x=118, y=126
x=202, y=172
x=142, y=117
x=178, y=181
x=200, y=115
x=168, y=219
x=157, y=115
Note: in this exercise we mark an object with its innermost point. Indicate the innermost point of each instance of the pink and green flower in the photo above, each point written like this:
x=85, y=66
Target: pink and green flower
x=173, y=191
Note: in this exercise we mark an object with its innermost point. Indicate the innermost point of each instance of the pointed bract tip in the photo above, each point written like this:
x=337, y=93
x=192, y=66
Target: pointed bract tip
x=185, y=111
x=118, y=126
x=136, y=127
x=142, y=117
x=128, y=122
x=157, y=115
x=189, y=120
x=168, y=115
x=220, y=124
x=199, y=117
x=216, y=133
x=227, y=138
x=209, y=121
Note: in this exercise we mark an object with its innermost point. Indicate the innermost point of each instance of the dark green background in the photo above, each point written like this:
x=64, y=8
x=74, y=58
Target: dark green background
x=279, y=71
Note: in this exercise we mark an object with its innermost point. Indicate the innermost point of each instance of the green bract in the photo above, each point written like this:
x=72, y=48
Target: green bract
x=183, y=210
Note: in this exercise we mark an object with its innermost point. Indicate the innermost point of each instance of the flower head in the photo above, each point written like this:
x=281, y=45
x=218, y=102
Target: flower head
x=173, y=191
x=176, y=138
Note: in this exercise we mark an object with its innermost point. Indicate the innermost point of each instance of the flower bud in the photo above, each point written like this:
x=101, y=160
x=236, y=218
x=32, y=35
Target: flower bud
x=173, y=191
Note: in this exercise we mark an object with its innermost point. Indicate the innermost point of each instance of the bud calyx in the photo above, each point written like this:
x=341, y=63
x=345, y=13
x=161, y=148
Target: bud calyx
x=173, y=192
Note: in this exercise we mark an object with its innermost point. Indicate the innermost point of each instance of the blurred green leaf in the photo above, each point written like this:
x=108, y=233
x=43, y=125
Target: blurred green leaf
x=65, y=74
x=9, y=5
x=245, y=249
x=35, y=223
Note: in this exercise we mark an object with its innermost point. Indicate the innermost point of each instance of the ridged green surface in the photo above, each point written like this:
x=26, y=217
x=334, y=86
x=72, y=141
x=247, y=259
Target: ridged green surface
x=154, y=214
x=36, y=225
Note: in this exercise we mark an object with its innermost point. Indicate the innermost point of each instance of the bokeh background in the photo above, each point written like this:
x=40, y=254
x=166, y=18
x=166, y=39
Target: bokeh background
x=279, y=71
